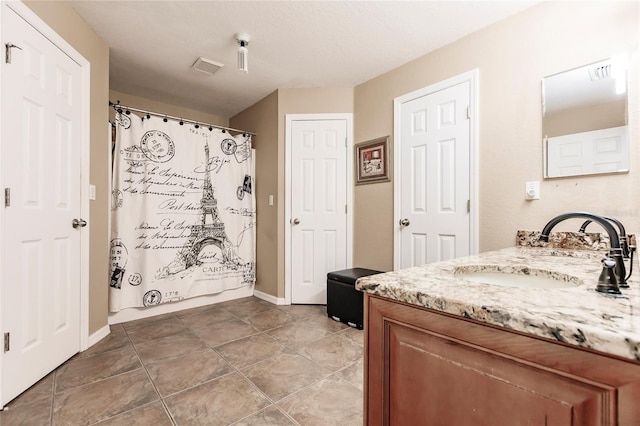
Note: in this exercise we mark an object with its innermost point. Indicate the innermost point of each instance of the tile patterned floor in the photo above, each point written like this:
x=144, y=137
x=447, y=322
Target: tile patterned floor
x=242, y=362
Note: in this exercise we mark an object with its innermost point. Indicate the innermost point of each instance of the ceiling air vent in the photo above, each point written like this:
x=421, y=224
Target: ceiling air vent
x=599, y=72
x=206, y=65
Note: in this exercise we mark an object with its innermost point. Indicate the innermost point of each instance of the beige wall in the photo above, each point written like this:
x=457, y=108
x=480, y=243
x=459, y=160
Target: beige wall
x=512, y=57
x=373, y=203
x=68, y=24
x=164, y=108
x=262, y=119
x=270, y=168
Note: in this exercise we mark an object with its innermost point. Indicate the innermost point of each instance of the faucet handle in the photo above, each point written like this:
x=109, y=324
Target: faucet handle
x=631, y=238
x=607, y=282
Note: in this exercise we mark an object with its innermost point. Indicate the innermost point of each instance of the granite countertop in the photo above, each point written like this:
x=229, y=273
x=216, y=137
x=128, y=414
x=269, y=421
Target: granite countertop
x=576, y=315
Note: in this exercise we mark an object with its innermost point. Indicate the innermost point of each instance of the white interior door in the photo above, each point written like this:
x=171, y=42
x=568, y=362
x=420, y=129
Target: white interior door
x=434, y=173
x=318, y=206
x=40, y=163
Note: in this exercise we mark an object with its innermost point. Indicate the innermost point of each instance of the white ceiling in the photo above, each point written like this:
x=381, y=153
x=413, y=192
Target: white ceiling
x=294, y=44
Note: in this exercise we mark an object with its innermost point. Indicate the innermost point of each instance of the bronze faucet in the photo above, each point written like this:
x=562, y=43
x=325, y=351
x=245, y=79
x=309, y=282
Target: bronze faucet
x=618, y=278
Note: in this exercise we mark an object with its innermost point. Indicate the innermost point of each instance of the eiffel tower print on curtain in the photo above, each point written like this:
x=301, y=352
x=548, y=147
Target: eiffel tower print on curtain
x=210, y=230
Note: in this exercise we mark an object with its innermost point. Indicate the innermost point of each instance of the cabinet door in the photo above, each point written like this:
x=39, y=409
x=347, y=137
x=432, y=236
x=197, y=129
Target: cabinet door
x=428, y=368
x=436, y=380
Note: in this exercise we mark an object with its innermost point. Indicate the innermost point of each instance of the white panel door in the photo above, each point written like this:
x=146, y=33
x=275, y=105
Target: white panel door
x=40, y=293
x=434, y=177
x=318, y=206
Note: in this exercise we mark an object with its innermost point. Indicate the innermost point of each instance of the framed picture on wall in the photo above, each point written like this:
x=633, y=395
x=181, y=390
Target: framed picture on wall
x=372, y=161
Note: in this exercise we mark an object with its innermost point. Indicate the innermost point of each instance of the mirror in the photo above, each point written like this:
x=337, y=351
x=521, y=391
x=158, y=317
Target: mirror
x=584, y=120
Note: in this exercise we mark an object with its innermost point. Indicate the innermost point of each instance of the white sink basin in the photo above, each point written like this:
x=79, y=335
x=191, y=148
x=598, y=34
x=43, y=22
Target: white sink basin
x=514, y=279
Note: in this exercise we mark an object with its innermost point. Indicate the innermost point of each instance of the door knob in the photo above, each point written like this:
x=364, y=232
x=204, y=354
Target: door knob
x=404, y=222
x=78, y=223
x=295, y=221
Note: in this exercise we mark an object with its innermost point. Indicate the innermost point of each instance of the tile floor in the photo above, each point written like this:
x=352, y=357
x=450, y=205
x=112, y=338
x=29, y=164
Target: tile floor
x=242, y=362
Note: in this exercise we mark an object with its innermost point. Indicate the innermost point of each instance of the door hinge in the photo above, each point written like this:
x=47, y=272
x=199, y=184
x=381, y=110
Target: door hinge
x=6, y=342
x=7, y=197
x=345, y=209
x=7, y=53
x=345, y=143
x=468, y=111
x=468, y=206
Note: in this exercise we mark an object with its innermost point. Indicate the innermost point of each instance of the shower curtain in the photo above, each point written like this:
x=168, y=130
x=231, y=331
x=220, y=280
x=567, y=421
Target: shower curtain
x=183, y=212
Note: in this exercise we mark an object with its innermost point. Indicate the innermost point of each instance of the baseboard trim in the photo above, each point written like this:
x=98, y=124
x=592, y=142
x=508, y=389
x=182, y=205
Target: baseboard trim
x=269, y=298
x=97, y=336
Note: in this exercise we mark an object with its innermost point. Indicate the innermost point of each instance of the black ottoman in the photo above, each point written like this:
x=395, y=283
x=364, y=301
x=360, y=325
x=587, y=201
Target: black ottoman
x=344, y=302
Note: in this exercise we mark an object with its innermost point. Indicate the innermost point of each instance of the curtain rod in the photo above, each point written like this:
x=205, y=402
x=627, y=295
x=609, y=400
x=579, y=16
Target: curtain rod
x=118, y=107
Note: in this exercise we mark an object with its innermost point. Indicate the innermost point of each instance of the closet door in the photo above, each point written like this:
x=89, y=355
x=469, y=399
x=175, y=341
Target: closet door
x=40, y=165
x=318, y=206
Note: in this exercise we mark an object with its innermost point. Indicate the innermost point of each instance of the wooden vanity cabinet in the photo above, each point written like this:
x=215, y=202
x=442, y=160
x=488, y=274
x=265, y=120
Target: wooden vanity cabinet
x=424, y=367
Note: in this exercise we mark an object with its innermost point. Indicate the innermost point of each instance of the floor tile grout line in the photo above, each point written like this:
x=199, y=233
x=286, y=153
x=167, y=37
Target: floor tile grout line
x=200, y=383
x=99, y=379
x=284, y=413
x=306, y=343
x=124, y=412
x=213, y=348
x=330, y=373
x=92, y=355
x=96, y=381
x=229, y=312
x=263, y=393
x=68, y=362
x=208, y=347
x=162, y=402
x=293, y=394
x=56, y=371
x=292, y=320
x=228, y=341
x=298, y=351
x=196, y=385
x=246, y=379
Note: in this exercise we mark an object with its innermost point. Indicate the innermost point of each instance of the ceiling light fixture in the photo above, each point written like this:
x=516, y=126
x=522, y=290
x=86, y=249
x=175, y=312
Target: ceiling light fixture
x=243, y=54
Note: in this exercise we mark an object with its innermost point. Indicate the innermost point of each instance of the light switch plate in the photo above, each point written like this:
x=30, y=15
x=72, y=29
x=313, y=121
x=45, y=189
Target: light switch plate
x=92, y=192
